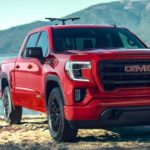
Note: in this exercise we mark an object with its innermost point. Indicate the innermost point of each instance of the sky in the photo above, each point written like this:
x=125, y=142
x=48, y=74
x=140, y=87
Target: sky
x=18, y=12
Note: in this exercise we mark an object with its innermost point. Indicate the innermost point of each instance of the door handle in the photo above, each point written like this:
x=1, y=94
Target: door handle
x=17, y=66
x=30, y=66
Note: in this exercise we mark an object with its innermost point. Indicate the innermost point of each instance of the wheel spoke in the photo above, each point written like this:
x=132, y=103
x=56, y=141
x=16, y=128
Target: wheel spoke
x=55, y=114
x=6, y=104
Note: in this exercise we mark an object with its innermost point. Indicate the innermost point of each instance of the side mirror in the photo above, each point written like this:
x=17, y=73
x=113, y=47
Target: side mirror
x=34, y=52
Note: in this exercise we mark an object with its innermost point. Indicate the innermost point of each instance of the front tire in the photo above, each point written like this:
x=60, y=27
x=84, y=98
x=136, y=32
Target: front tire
x=59, y=127
x=12, y=114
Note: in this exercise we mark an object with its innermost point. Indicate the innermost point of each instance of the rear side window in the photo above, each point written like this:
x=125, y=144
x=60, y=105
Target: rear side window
x=43, y=43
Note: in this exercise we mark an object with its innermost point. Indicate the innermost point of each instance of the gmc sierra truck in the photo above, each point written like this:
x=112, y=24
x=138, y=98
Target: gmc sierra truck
x=81, y=76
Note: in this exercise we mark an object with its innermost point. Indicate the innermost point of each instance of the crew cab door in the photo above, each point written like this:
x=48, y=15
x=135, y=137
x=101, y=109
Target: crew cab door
x=29, y=78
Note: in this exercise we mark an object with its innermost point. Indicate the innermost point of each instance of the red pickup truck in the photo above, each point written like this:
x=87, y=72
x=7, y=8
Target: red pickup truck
x=82, y=76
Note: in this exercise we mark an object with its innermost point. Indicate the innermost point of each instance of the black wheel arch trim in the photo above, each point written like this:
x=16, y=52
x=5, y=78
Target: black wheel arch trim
x=57, y=80
x=4, y=76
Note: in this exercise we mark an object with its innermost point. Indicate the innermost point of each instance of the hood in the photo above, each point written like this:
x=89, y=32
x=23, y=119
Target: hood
x=120, y=51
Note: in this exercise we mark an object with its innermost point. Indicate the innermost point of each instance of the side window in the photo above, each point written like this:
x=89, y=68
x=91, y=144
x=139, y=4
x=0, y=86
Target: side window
x=32, y=41
x=43, y=43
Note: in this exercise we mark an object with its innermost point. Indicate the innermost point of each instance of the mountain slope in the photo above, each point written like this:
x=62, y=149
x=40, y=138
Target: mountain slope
x=11, y=39
x=131, y=14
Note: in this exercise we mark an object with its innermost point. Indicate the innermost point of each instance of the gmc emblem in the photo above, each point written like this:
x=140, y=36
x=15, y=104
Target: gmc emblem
x=137, y=68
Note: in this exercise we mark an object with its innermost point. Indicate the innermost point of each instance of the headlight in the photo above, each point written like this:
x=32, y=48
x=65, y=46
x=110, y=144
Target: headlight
x=75, y=70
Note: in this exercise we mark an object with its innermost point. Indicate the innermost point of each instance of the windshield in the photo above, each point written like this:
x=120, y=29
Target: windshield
x=94, y=38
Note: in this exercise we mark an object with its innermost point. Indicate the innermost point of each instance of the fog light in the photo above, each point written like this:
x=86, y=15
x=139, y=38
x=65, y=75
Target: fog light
x=79, y=94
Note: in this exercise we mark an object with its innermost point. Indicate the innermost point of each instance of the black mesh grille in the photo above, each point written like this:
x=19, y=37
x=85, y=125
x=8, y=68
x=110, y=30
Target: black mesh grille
x=113, y=74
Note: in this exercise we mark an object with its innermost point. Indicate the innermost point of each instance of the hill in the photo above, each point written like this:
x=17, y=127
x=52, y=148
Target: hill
x=133, y=14
x=11, y=39
x=128, y=13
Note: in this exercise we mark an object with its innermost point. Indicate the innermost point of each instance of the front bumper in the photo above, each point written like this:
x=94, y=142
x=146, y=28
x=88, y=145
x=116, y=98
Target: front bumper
x=111, y=114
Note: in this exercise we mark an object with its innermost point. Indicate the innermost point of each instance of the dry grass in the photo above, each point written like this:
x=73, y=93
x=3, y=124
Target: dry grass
x=33, y=133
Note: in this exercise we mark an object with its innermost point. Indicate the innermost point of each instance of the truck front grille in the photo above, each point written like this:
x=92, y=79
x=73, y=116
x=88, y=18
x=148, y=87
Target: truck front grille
x=124, y=73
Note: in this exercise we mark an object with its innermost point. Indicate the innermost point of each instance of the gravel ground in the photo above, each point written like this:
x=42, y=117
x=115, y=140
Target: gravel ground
x=33, y=134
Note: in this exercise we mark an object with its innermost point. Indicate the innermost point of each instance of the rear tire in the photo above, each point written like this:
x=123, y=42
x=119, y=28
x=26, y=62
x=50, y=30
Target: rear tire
x=12, y=114
x=58, y=126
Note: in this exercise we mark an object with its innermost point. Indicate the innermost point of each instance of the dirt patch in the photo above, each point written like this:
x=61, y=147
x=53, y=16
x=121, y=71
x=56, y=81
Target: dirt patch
x=33, y=134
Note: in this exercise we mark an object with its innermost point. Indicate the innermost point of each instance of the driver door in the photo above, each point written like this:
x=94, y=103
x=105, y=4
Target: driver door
x=29, y=80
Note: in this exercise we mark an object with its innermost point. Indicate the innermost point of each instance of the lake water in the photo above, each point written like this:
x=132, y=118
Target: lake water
x=25, y=111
